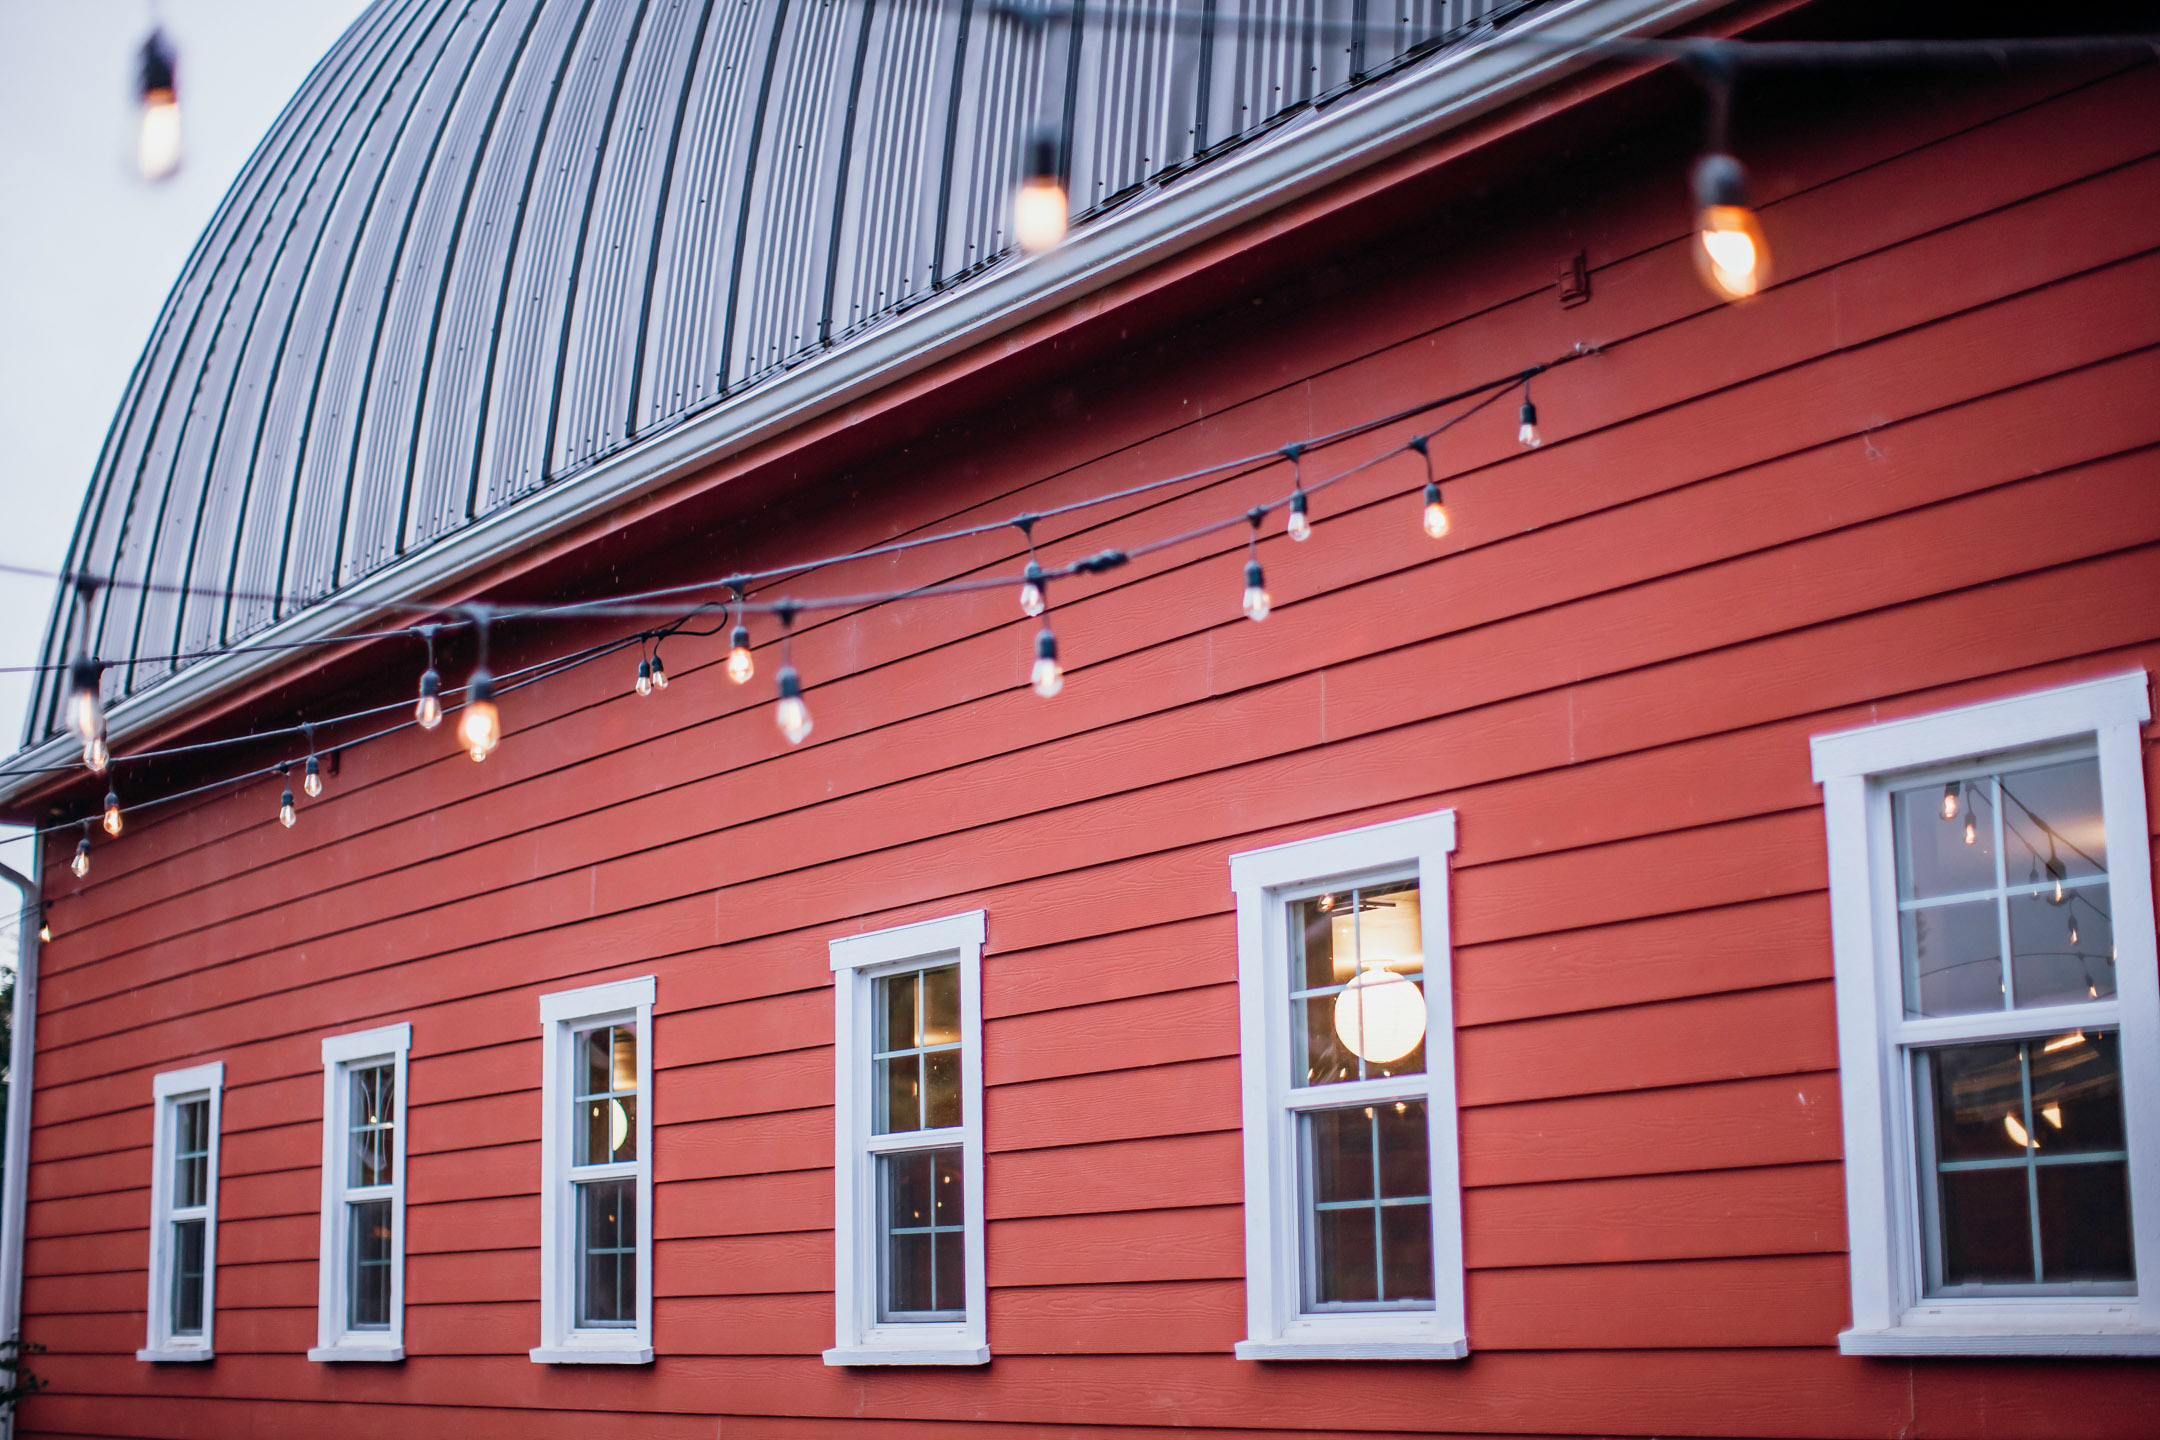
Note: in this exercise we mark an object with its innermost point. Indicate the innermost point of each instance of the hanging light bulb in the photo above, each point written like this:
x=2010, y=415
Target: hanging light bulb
x=1380, y=1015
x=479, y=722
x=311, y=782
x=1040, y=209
x=792, y=715
x=644, y=677
x=1256, y=602
x=1436, y=516
x=44, y=930
x=85, y=711
x=1300, y=526
x=1950, y=801
x=659, y=671
x=1972, y=830
x=1031, y=591
x=740, y=665
x=286, y=814
x=2073, y=929
x=81, y=863
x=1048, y=678
x=157, y=141
x=97, y=755
x=2055, y=873
x=1730, y=253
x=1526, y=432
x=428, y=712
x=112, y=812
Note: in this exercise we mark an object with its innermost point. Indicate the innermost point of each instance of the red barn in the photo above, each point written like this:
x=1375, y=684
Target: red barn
x=1651, y=933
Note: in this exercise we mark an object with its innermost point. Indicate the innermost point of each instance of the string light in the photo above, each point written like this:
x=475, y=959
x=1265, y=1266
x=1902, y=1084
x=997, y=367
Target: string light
x=428, y=712
x=659, y=668
x=1300, y=527
x=1048, y=677
x=1041, y=211
x=97, y=755
x=644, y=677
x=1526, y=431
x=157, y=140
x=112, y=812
x=44, y=929
x=1950, y=801
x=2055, y=872
x=86, y=711
x=1435, y=513
x=81, y=863
x=286, y=814
x=1730, y=253
x=479, y=722
x=1256, y=602
x=791, y=714
x=2073, y=928
x=1972, y=830
x=311, y=781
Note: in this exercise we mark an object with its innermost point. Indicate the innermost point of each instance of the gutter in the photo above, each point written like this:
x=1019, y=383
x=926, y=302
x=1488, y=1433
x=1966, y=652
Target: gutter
x=1319, y=149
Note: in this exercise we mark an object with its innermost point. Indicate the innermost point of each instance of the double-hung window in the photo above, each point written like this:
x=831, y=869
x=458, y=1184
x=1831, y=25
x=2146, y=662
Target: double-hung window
x=909, y=1287
x=596, y=1175
x=1998, y=1025
x=1353, y=1210
x=183, y=1213
x=361, y=1306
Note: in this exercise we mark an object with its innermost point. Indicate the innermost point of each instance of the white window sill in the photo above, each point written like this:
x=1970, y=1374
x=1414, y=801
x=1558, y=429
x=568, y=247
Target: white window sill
x=1352, y=1349
x=908, y=1355
x=339, y=1354
x=190, y=1356
x=2027, y=1340
x=592, y=1355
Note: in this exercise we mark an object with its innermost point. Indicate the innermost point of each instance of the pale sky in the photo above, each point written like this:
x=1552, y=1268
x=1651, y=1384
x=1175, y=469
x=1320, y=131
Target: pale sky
x=88, y=251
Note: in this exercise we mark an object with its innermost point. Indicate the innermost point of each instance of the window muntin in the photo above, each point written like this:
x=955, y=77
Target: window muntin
x=359, y=1314
x=372, y=1169
x=183, y=1218
x=1357, y=977
x=596, y=1167
x=1368, y=1213
x=2004, y=861
x=908, y=1278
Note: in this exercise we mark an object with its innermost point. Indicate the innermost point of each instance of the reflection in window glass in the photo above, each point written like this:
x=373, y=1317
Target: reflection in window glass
x=925, y=1255
x=915, y=1052
x=2031, y=1184
x=607, y=1099
x=607, y=1253
x=2006, y=862
x=1368, y=1207
x=1357, y=974
x=369, y=1246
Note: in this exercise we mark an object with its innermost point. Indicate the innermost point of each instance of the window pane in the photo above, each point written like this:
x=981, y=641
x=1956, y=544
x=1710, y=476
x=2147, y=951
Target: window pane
x=1357, y=967
x=1953, y=954
x=607, y=1131
x=625, y=1053
x=191, y=1154
x=2085, y=1222
x=925, y=1256
x=598, y=1050
x=1368, y=1191
x=187, y=1286
x=2077, y=1092
x=942, y=1074
x=896, y=1012
x=607, y=1258
x=898, y=1083
x=1934, y=857
x=2062, y=953
x=2052, y=821
x=941, y=1005
x=373, y=1118
x=1979, y=1102
x=1986, y=1227
x=368, y=1245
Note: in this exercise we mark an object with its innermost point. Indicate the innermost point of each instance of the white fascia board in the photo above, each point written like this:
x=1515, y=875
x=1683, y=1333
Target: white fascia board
x=1443, y=93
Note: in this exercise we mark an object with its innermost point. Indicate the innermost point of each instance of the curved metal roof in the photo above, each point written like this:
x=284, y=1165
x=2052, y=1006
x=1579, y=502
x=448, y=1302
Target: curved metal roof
x=492, y=242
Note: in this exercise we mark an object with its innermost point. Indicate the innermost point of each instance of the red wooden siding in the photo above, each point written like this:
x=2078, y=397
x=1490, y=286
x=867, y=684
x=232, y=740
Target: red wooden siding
x=1918, y=473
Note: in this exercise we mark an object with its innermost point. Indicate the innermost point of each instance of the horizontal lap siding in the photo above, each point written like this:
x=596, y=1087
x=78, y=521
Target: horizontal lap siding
x=1920, y=472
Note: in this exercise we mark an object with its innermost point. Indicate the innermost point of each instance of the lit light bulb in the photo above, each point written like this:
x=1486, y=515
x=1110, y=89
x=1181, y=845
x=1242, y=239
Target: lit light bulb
x=2052, y=1114
x=2017, y=1133
x=1972, y=830
x=1031, y=591
x=1526, y=433
x=85, y=712
x=157, y=142
x=659, y=673
x=740, y=665
x=1380, y=1016
x=1300, y=525
x=1257, y=603
x=479, y=722
x=644, y=677
x=112, y=812
x=81, y=863
x=792, y=715
x=1436, y=521
x=44, y=931
x=1950, y=801
x=2073, y=928
x=1048, y=678
x=97, y=755
x=1730, y=253
x=286, y=815
x=312, y=780
x=1040, y=209
x=429, y=709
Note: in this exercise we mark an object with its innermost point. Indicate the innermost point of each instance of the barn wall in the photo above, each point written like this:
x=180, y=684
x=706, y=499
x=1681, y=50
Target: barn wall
x=1918, y=473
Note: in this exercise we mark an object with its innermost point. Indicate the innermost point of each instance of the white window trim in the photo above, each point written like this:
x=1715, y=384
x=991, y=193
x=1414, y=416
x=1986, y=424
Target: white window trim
x=1276, y=1327
x=561, y=1342
x=857, y=961
x=341, y=1055
x=160, y=1344
x=1890, y=1315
